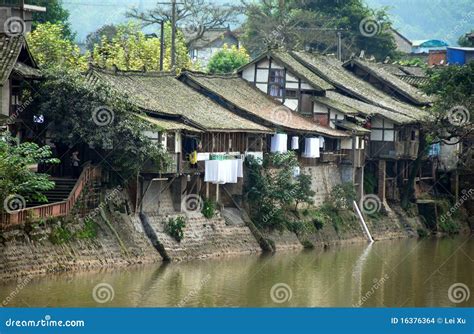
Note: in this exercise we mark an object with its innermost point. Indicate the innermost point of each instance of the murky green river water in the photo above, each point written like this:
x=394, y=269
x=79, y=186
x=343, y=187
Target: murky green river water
x=399, y=273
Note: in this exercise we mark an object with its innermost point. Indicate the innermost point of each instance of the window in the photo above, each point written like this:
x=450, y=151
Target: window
x=291, y=94
x=276, y=83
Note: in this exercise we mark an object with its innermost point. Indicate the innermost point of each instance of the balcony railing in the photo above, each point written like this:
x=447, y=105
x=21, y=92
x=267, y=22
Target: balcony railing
x=393, y=150
x=58, y=209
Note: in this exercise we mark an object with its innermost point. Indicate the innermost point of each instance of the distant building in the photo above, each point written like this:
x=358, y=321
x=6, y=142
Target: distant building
x=403, y=44
x=427, y=45
x=211, y=42
x=437, y=57
x=459, y=56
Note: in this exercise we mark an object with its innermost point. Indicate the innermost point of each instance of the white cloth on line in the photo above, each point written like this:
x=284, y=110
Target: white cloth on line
x=295, y=144
x=223, y=171
x=296, y=171
x=279, y=143
x=311, y=148
x=321, y=142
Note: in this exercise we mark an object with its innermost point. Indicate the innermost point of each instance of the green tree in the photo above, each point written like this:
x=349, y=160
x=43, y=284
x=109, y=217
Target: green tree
x=272, y=189
x=18, y=183
x=51, y=49
x=228, y=60
x=450, y=118
x=94, y=38
x=130, y=49
x=77, y=111
x=55, y=13
x=465, y=41
x=313, y=24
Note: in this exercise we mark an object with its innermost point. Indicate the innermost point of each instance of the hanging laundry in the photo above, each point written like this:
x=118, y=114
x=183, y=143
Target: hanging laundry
x=321, y=142
x=296, y=171
x=279, y=143
x=295, y=144
x=311, y=148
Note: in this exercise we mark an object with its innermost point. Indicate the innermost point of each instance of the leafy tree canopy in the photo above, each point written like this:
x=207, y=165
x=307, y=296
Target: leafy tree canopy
x=131, y=49
x=51, y=49
x=55, y=13
x=313, y=23
x=78, y=112
x=18, y=183
x=228, y=60
x=465, y=41
x=271, y=188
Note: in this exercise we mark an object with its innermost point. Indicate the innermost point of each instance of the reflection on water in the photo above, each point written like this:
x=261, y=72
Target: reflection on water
x=397, y=273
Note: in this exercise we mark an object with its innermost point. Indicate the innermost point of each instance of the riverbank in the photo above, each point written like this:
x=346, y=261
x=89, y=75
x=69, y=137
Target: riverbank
x=412, y=273
x=118, y=240
x=54, y=246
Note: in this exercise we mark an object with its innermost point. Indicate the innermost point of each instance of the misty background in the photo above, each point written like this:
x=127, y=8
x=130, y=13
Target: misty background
x=416, y=19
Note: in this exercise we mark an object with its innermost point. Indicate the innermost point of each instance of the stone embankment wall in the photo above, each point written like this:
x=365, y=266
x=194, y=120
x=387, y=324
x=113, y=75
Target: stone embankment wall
x=27, y=251
x=323, y=179
x=204, y=238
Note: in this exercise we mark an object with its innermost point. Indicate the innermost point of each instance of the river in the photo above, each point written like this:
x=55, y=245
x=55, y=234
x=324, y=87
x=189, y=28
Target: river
x=395, y=273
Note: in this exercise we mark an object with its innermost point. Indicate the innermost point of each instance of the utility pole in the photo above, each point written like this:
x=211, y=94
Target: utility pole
x=162, y=44
x=339, y=45
x=173, y=34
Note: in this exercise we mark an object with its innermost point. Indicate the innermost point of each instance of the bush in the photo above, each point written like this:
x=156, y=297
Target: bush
x=89, y=231
x=174, y=228
x=422, y=233
x=60, y=235
x=209, y=208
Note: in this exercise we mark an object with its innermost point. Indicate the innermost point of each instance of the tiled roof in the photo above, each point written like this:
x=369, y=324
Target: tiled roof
x=208, y=37
x=415, y=81
x=351, y=126
x=162, y=93
x=252, y=101
x=331, y=70
x=10, y=48
x=365, y=109
x=413, y=94
x=27, y=71
x=169, y=125
x=293, y=65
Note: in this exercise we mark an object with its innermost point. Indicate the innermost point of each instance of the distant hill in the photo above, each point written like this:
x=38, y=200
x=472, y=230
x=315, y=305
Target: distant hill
x=416, y=19
x=429, y=19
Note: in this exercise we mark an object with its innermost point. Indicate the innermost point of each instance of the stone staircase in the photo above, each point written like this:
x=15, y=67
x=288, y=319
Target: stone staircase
x=60, y=192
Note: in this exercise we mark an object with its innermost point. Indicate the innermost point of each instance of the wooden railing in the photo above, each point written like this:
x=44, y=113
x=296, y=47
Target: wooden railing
x=58, y=209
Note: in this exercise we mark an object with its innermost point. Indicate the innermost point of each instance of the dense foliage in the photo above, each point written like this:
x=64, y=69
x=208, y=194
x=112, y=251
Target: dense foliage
x=313, y=23
x=174, y=227
x=78, y=112
x=129, y=48
x=465, y=41
x=51, y=49
x=271, y=189
x=228, y=59
x=17, y=181
x=55, y=13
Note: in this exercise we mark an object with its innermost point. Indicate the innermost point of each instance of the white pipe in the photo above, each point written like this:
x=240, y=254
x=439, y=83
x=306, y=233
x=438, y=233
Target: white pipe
x=364, y=225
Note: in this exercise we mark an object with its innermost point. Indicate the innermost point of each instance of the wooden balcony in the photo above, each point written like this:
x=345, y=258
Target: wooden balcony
x=393, y=150
x=172, y=168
